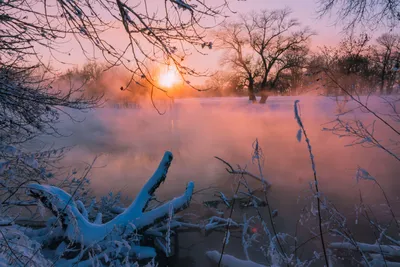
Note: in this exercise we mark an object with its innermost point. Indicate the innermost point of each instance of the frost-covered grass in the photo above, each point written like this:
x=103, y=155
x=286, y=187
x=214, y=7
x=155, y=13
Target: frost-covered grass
x=331, y=223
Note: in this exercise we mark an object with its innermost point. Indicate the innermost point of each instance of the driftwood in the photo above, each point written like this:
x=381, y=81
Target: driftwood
x=128, y=233
x=76, y=228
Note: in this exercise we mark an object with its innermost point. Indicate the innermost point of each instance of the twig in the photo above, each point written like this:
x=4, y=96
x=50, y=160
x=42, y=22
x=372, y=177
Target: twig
x=231, y=170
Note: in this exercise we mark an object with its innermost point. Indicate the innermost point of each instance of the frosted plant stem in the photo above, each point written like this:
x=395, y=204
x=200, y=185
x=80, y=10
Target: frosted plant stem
x=296, y=112
x=228, y=224
x=388, y=203
x=257, y=152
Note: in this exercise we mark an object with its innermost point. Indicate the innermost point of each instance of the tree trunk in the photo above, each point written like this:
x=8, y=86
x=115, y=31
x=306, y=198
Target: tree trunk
x=264, y=94
x=252, y=95
x=264, y=97
x=382, y=81
x=390, y=85
x=263, y=83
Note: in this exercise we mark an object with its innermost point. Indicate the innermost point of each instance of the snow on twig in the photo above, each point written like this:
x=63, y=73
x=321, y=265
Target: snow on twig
x=230, y=261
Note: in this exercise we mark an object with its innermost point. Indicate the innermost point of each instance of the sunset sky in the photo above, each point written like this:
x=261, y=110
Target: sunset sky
x=304, y=11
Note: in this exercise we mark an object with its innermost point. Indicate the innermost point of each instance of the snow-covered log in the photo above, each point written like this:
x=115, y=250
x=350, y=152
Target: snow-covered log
x=378, y=263
x=387, y=250
x=378, y=260
x=79, y=229
x=230, y=261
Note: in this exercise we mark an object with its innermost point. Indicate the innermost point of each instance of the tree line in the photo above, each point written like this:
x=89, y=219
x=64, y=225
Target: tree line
x=268, y=52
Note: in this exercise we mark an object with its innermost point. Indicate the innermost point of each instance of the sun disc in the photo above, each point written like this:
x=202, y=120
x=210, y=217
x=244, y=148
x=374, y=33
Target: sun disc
x=168, y=78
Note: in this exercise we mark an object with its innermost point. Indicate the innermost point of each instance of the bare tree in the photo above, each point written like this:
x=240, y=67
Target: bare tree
x=264, y=45
x=365, y=13
x=275, y=38
x=31, y=104
x=291, y=64
x=349, y=71
x=386, y=54
x=161, y=31
x=32, y=97
x=238, y=54
x=224, y=83
x=350, y=62
x=362, y=66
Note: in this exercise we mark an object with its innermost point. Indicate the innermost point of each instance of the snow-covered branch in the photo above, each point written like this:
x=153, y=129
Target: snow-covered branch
x=387, y=250
x=134, y=220
x=230, y=261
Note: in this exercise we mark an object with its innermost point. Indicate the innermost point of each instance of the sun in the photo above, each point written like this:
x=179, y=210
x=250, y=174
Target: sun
x=168, y=78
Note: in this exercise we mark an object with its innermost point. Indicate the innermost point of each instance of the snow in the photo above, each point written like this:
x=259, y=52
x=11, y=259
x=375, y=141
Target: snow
x=148, y=189
x=4, y=166
x=230, y=261
x=3, y=260
x=363, y=174
x=18, y=243
x=31, y=161
x=80, y=230
x=144, y=252
x=388, y=250
x=298, y=135
x=9, y=150
x=182, y=4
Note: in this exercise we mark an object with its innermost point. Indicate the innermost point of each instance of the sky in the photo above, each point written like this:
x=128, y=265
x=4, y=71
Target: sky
x=305, y=11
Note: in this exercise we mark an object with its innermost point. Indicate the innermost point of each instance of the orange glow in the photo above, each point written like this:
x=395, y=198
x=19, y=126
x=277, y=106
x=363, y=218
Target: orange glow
x=168, y=77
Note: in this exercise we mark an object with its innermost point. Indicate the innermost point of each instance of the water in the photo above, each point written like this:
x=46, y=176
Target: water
x=131, y=142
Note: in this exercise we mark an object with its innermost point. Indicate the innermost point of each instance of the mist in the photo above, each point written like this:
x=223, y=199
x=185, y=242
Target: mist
x=130, y=143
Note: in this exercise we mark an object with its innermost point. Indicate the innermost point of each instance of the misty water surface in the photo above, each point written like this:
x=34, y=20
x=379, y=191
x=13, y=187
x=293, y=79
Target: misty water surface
x=131, y=142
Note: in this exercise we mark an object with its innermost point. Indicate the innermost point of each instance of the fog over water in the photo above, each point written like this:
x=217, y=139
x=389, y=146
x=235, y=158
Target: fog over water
x=131, y=142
